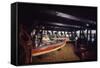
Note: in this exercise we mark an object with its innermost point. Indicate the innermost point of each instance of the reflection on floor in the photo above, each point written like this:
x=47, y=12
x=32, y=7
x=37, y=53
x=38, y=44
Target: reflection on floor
x=64, y=54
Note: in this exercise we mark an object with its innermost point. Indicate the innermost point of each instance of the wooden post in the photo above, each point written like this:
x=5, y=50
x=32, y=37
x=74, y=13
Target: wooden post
x=25, y=47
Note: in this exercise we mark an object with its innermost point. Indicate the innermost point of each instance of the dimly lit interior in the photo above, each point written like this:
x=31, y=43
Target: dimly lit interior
x=53, y=33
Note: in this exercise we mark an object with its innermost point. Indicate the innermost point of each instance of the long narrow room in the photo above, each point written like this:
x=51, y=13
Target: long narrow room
x=57, y=34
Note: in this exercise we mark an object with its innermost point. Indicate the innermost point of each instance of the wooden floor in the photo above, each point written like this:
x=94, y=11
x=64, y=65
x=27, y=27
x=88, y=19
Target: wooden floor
x=64, y=54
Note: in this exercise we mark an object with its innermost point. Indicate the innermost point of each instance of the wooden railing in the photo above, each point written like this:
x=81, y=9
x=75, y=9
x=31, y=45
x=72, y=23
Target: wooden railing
x=48, y=48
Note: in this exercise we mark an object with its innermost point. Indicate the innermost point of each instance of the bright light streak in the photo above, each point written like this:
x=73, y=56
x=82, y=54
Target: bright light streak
x=67, y=16
x=60, y=24
x=74, y=18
